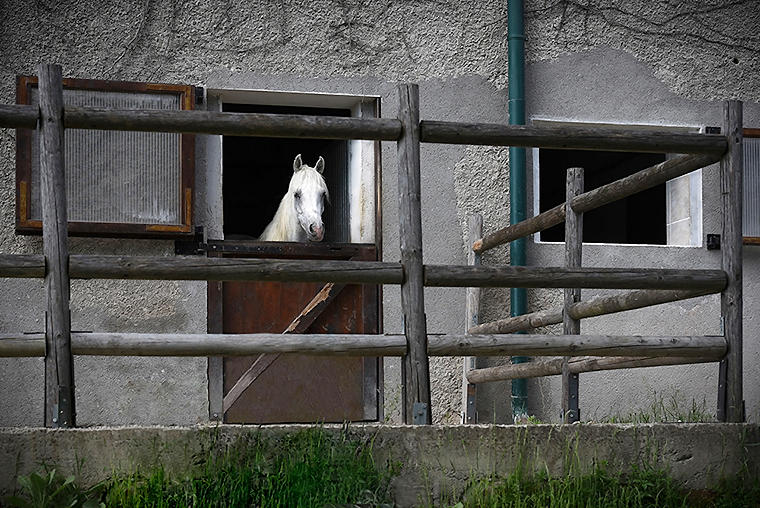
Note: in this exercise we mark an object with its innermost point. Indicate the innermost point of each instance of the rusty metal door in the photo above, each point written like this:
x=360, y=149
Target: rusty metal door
x=300, y=388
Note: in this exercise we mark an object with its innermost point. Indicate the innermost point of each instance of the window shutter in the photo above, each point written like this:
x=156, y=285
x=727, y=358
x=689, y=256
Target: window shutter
x=118, y=183
x=751, y=201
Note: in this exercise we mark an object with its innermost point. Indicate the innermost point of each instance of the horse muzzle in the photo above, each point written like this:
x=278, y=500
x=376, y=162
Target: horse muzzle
x=315, y=233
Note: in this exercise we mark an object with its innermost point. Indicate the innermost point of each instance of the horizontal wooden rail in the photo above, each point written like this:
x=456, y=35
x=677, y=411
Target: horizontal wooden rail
x=22, y=265
x=18, y=116
x=164, y=344
x=234, y=124
x=559, y=277
x=384, y=129
x=572, y=137
x=201, y=268
x=22, y=344
x=577, y=366
x=362, y=272
x=619, y=189
x=598, y=306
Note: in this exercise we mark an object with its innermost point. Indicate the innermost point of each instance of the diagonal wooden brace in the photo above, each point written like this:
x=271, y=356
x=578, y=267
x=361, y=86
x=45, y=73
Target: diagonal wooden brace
x=299, y=325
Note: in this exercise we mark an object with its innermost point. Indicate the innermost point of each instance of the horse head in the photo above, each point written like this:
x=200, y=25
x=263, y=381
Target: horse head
x=309, y=192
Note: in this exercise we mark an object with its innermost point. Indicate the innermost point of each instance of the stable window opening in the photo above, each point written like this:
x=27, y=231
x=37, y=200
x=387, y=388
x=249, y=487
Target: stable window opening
x=255, y=172
x=638, y=219
x=667, y=214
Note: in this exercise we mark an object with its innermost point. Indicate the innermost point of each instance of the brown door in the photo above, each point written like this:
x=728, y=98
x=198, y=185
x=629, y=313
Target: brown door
x=300, y=388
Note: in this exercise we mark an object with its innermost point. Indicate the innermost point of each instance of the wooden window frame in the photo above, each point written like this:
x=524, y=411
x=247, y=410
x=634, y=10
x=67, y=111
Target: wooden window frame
x=27, y=226
x=751, y=133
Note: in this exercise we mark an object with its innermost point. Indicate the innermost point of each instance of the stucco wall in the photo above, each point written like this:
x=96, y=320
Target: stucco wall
x=637, y=63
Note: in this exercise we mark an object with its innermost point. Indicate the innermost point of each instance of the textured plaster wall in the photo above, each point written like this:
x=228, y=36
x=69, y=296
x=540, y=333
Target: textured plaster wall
x=653, y=62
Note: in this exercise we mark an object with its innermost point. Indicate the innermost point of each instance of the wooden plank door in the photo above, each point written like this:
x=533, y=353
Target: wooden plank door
x=301, y=388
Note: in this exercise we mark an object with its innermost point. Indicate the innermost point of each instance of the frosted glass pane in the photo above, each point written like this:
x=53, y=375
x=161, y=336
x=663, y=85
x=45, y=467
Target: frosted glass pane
x=751, y=218
x=117, y=176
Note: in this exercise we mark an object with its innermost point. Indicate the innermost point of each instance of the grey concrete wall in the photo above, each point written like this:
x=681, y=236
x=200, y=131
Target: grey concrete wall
x=436, y=461
x=635, y=62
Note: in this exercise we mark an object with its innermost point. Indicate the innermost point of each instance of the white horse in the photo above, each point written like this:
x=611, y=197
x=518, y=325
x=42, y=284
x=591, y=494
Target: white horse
x=299, y=216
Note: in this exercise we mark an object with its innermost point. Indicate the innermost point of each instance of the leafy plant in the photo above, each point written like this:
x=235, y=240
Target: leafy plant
x=51, y=489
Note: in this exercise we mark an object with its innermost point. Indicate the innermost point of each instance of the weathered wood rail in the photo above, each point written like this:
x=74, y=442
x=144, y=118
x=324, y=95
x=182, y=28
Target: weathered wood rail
x=58, y=343
x=179, y=344
x=363, y=272
x=598, y=306
x=556, y=366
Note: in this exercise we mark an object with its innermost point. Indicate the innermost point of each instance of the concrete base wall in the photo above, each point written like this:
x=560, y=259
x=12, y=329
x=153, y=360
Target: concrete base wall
x=437, y=461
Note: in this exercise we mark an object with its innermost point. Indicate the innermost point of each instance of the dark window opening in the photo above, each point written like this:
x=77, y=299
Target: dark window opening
x=638, y=219
x=257, y=171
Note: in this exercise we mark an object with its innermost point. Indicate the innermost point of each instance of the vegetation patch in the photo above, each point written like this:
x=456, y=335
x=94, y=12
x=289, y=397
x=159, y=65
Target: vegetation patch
x=306, y=469
x=314, y=468
x=642, y=487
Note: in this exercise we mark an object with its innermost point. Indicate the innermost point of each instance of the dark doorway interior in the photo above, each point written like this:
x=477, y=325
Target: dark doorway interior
x=256, y=173
x=638, y=219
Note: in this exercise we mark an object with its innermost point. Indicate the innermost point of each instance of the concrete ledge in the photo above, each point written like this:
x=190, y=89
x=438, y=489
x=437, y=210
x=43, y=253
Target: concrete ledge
x=436, y=460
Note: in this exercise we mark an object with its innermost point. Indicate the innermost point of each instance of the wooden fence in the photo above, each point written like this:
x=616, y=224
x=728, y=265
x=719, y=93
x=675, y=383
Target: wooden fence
x=58, y=344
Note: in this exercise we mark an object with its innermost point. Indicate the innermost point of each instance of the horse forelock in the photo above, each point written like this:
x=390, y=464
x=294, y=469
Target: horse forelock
x=308, y=178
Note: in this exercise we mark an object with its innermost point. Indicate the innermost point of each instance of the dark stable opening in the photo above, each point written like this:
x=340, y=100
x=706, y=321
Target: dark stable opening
x=636, y=219
x=257, y=171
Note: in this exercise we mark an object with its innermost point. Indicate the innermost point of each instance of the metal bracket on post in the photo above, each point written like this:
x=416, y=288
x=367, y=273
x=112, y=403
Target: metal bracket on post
x=420, y=413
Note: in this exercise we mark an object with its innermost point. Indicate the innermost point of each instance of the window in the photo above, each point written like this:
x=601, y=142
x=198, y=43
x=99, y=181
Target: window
x=751, y=180
x=118, y=183
x=256, y=164
x=255, y=172
x=668, y=214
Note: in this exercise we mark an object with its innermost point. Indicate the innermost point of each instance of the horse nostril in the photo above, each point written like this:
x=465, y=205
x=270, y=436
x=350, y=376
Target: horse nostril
x=312, y=228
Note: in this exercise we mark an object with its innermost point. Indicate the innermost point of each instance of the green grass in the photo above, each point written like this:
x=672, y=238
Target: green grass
x=306, y=469
x=315, y=469
x=642, y=487
x=665, y=411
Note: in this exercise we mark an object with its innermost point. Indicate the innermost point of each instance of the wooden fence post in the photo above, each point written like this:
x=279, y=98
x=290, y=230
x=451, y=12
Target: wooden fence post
x=730, y=396
x=59, y=363
x=472, y=317
x=415, y=371
x=573, y=257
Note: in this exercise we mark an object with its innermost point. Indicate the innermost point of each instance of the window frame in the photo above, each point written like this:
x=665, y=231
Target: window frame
x=27, y=226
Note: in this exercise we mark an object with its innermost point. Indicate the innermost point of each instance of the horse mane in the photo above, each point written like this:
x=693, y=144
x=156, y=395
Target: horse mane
x=284, y=226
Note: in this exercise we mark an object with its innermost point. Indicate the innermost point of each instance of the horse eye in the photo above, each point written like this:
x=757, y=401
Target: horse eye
x=297, y=195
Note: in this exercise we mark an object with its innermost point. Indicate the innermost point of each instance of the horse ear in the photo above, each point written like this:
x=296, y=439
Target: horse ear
x=320, y=164
x=297, y=163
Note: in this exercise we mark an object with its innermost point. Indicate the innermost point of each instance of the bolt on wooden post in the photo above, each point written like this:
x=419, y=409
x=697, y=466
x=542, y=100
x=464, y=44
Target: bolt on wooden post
x=59, y=362
x=415, y=371
x=573, y=258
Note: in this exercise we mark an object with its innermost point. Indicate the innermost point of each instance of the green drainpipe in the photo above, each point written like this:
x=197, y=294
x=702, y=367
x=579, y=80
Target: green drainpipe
x=517, y=189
